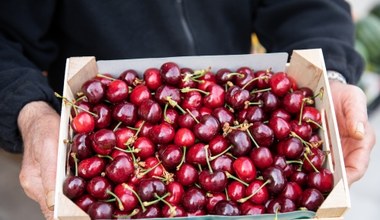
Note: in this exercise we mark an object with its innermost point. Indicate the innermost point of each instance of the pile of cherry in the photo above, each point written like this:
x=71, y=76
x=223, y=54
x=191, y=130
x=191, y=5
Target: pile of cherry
x=182, y=142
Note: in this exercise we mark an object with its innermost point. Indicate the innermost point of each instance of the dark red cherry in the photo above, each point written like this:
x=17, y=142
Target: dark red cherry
x=152, y=211
x=162, y=133
x=176, y=191
x=150, y=111
x=312, y=116
x=303, y=129
x=281, y=128
x=84, y=201
x=235, y=190
x=292, y=191
x=130, y=76
x=241, y=142
x=261, y=157
x=311, y=199
x=99, y=187
x=91, y=167
x=281, y=113
x=184, y=137
x=81, y=146
x=212, y=199
x=127, y=197
x=125, y=112
x=139, y=95
x=123, y=137
x=322, y=180
x=94, y=90
x=207, y=128
x=213, y=181
x=262, y=134
x=224, y=75
x=248, y=208
x=292, y=102
x=152, y=78
x=222, y=163
x=247, y=79
x=120, y=169
x=187, y=120
x=254, y=114
x=148, y=188
x=270, y=102
x=226, y=208
x=223, y=115
x=215, y=98
x=74, y=186
x=259, y=191
x=281, y=205
x=192, y=100
x=194, y=199
x=196, y=154
x=187, y=174
x=103, y=141
x=165, y=91
x=117, y=91
x=100, y=210
x=104, y=114
x=280, y=84
x=170, y=73
x=276, y=178
x=236, y=97
x=171, y=156
x=218, y=144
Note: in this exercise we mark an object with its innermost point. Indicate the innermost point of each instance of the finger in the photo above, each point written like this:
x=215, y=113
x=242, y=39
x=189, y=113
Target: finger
x=355, y=109
x=48, y=167
x=359, y=158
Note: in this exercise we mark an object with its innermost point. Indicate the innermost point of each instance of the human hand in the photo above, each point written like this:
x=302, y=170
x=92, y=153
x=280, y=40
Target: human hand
x=39, y=126
x=357, y=135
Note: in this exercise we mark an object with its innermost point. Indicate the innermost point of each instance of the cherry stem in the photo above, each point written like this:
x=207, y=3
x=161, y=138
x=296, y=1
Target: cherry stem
x=140, y=175
x=260, y=90
x=193, y=116
x=189, y=89
x=133, y=213
x=183, y=158
x=130, y=150
x=104, y=76
x=165, y=116
x=117, y=126
x=155, y=201
x=119, y=203
x=254, y=79
x=294, y=161
x=248, y=103
x=293, y=134
x=172, y=209
x=137, y=196
x=139, y=129
x=199, y=73
x=253, y=139
x=74, y=105
x=74, y=156
x=314, y=122
x=311, y=164
x=243, y=200
x=104, y=156
x=220, y=154
x=235, y=74
x=319, y=94
x=175, y=104
x=230, y=176
x=226, y=192
x=301, y=112
x=208, y=159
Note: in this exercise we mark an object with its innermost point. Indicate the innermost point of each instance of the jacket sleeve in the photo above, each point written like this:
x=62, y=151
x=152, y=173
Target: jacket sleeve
x=25, y=51
x=298, y=24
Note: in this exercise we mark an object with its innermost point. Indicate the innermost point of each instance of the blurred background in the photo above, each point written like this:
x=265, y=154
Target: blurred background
x=365, y=194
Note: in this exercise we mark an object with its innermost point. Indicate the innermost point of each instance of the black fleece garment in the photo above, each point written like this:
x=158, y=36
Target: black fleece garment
x=39, y=35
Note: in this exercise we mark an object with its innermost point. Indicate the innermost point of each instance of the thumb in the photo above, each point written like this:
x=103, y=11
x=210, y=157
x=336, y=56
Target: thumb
x=355, y=111
x=48, y=171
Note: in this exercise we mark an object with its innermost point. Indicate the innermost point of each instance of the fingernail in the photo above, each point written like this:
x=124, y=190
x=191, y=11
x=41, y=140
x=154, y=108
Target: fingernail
x=360, y=129
x=50, y=200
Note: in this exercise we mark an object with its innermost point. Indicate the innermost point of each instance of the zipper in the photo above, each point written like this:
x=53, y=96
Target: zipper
x=185, y=26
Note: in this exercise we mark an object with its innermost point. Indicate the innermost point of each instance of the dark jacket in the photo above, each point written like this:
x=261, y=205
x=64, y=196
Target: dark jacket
x=39, y=35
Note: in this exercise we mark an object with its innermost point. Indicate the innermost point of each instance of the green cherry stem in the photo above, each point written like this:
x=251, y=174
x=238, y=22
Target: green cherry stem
x=119, y=203
x=155, y=201
x=220, y=154
x=175, y=104
x=137, y=196
x=208, y=159
x=74, y=156
x=230, y=176
x=74, y=105
x=188, y=89
x=183, y=158
x=243, y=200
x=106, y=77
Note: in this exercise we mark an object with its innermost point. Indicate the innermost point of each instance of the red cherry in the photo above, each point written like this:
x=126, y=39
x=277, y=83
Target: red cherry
x=83, y=122
x=280, y=84
x=244, y=169
x=152, y=78
x=139, y=95
x=117, y=91
x=170, y=73
x=184, y=137
x=94, y=90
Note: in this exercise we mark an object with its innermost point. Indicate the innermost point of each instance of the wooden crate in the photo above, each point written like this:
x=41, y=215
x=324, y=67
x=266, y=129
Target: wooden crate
x=306, y=66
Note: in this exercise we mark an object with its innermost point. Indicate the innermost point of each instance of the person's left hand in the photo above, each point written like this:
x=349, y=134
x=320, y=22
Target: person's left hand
x=39, y=127
x=357, y=135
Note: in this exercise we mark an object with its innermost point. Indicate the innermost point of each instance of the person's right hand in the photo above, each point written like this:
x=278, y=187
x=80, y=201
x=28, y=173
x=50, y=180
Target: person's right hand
x=356, y=133
x=39, y=127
